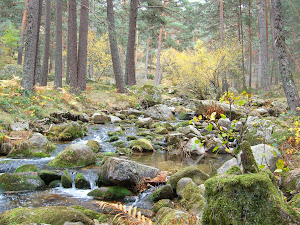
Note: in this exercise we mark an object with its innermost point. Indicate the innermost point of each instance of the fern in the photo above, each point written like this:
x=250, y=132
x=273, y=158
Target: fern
x=123, y=215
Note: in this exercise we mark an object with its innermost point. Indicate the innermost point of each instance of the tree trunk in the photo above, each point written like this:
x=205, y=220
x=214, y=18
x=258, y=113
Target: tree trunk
x=156, y=79
x=29, y=66
x=58, y=49
x=147, y=59
x=289, y=86
x=82, y=45
x=263, y=48
x=224, y=78
x=68, y=49
x=130, y=64
x=38, y=66
x=46, y=43
x=23, y=27
x=242, y=42
x=114, y=48
x=250, y=45
x=91, y=66
x=72, y=34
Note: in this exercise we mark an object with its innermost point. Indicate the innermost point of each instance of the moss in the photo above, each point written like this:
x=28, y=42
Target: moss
x=102, y=218
x=94, y=145
x=165, y=191
x=234, y=170
x=184, y=116
x=161, y=130
x=67, y=132
x=48, y=176
x=295, y=201
x=245, y=199
x=193, y=172
x=55, y=215
x=40, y=155
x=143, y=133
x=192, y=198
x=81, y=182
x=130, y=138
x=182, y=124
x=120, y=144
x=124, y=151
x=109, y=193
x=20, y=182
x=114, y=138
x=110, y=154
x=66, y=180
x=131, y=117
x=162, y=203
x=143, y=144
x=54, y=184
x=247, y=158
x=116, y=133
x=26, y=168
x=167, y=216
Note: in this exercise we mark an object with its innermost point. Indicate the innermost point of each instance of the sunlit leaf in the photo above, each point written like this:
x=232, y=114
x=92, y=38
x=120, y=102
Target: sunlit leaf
x=213, y=116
x=210, y=127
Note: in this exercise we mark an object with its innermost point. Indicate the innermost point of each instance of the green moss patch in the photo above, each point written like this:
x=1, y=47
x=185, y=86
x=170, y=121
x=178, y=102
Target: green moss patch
x=110, y=193
x=26, y=168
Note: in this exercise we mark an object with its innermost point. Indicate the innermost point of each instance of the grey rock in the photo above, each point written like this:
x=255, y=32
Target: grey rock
x=100, y=118
x=38, y=140
x=114, y=119
x=160, y=112
x=197, y=150
x=144, y=122
x=182, y=183
x=19, y=126
x=224, y=123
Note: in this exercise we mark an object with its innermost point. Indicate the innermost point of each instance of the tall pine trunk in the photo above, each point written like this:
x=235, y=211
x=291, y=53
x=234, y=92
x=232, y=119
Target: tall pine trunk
x=30, y=57
x=82, y=45
x=114, y=48
x=23, y=28
x=72, y=39
x=58, y=49
x=288, y=83
x=43, y=80
x=130, y=78
x=250, y=45
x=68, y=49
x=147, y=59
x=224, y=77
x=156, y=79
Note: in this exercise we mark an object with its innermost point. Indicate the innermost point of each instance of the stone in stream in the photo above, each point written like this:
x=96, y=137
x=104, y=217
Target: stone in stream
x=49, y=176
x=27, y=181
x=27, y=168
x=150, y=95
x=101, y=118
x=163, y=192
x=66, y=180
x=141, y=145
x=124, y=173
x=160, y=112
x=110, y=193
x=81, y=182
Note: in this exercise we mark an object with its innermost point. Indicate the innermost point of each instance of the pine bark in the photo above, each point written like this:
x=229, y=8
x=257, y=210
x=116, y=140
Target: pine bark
x=58, y=48
x=72, y=38
x=120, y=85
x=46, y=43
x=263, y=48
x=224, y=77
x=23, y=28
x=29, y=66
x=68, y=50
x=156, y=79
x=147, y=59
x=130, y=78
x=82, y=45
x=288, y=83
x=250, y=45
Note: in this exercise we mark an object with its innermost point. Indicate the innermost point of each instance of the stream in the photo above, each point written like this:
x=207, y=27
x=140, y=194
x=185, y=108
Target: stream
x=73, y=196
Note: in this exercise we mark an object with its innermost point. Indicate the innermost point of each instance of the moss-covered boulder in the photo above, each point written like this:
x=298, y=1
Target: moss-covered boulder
x=163, y=192
x=27, y=181
x=131, y=137
x=101, y=118
x=54, y=184
x=167, y=216
x=49, y=176
x=102, y=218
x=291, y=181
x=246, y=199
x=141, y=145
x=144, y=122
x=150, y=95
x=94, y=145
x=55, y=215
x=75, y=155
x=161, y=130
x=114, y=138
x=160, y=112
x=66, y=180
x=81, y=182
x=295, y=201
x=192, y=198
x=27, y=168
x=67, y=132
x=109, y=193
x=193, y=172
x=247, y=158
x=162, y=203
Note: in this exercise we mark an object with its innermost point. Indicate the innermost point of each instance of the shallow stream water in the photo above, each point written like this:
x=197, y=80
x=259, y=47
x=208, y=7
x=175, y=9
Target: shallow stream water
x=73, y=196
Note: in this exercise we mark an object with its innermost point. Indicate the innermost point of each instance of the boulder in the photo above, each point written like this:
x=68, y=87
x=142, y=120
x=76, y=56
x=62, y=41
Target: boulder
x=5, y=148
x=49, y=176
x=27, y=181
x=67, y=132
x=235, y=198
x=94, y=145
x=27, y=168
x=18, y=126
x=144, y=122
x=295, y=201
x=126, y=173
x=84, y=118
x=150, y=95
x=38, y=140
x=100, y=118
x=224, y=123
x=167, y=216
x=81, y=182
x=141, y=145
x=174, y=138
x=66, y=180
x=181, y=184
x=113, y=193
x=163, y=203
x=194, y=148
x=55, y=215
x=164, y=192
x=291, y=181
x=160, y=112
x=75, y=155
x=193, y=172
x=114, y=119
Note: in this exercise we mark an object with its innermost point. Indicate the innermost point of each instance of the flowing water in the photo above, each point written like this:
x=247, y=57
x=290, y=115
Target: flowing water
x=73, y=196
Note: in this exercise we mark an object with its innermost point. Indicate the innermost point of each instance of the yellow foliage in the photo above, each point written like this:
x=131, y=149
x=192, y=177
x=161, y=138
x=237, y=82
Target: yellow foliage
x=99, y=52
x=200, y=67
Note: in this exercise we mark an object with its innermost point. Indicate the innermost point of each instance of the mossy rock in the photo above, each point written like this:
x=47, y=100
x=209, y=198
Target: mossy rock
x=246, y=199
x=234, y=170
x=114, y=138
x=55, y=183
x=24, y=149
x=193, y=172
x=192, y=198
x=55, y=215
x=247, y=158
x=67, y=132
x=102, y=218
x=150, y=95
x=81, y=182
x=27, y=168
x=161, y=130
x=124, y=151
x=162, y=203
x=110, y=193
x=130, y=138
x=295, y=201
x=163, y=192
x=94, y=145
x=115, y=133
x=167, y=216
x=120, y=144
x=141, y=145
x=182, y=124
x=66, y=180
x=75, y=155
x=27, y=181
x=49, y=176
